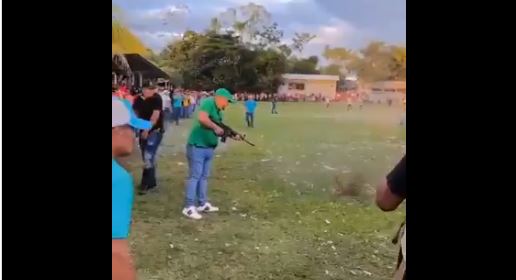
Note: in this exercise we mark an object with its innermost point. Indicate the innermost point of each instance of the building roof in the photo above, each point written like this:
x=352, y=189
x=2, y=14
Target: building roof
x=137, y=63
x=310, y=77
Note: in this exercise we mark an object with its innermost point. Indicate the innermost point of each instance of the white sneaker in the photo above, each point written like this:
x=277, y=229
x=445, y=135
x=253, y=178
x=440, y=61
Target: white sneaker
x=192, y=213
x=207, y=207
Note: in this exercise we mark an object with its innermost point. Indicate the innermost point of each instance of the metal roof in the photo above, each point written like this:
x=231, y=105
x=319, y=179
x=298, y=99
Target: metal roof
x=311, y=77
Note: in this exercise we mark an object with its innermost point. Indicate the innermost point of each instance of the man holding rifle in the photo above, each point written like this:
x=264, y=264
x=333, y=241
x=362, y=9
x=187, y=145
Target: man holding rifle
x=203, y=139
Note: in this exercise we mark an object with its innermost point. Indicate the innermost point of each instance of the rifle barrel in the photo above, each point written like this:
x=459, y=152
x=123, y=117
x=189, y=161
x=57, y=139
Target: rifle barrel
x=248, y=142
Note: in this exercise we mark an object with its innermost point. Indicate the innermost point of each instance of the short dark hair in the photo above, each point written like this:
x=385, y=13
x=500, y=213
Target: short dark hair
x=149, y=85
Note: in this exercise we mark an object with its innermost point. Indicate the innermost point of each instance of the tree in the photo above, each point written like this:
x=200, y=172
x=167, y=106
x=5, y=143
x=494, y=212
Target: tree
x=337, y=55
x=303, y=66
x=332, y=69
x=398, y=63
x=379, y=61
x=245, y=21
x=285, y=50
x=270, y=65
x=210, y=60
x=269, y=36
x=215, y=25
x=300, y=40
x=122, y=39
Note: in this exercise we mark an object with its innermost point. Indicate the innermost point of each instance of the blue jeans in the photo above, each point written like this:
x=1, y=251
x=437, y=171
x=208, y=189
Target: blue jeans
x=199, y=164
x=188, y=111
x=249, y=118
x=176, y=114
x=149, y=148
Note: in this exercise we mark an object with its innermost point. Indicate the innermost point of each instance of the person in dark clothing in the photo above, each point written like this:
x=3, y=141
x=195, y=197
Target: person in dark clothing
x=274, y=101
x=149, y=106
x=389, y=195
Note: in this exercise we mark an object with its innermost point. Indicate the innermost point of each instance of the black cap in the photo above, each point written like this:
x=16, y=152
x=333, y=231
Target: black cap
x=149, y=85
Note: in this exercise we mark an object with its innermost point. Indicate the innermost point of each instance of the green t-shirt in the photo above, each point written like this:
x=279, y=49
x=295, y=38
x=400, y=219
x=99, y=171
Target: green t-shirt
x=200, y=135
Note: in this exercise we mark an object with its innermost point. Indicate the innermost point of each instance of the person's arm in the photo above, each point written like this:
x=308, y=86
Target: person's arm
x=157, y=107
x=205, y=120
x=122, y=267
x=392, y=191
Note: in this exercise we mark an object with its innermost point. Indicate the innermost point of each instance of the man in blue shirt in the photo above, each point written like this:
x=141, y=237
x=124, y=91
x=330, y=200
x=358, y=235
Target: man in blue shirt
x=177, y=106
x=123, y=123
x=250, y=107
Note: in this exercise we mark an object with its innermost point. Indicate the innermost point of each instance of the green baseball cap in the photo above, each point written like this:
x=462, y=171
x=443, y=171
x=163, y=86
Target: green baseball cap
x=225, y=93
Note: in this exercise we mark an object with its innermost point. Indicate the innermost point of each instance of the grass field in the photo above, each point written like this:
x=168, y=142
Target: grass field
x=299, y=205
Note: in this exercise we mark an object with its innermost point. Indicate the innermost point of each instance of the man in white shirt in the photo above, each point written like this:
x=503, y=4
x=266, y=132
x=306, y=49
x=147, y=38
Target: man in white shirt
x=193, y=102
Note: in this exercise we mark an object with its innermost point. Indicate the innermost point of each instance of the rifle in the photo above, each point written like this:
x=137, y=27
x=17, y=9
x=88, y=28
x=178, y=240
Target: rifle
x=229, y=132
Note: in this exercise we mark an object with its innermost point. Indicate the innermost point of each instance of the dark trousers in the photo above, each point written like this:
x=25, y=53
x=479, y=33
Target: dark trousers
x=149, y=148
x=249, y=118
x=176, y=114
x=274, y=111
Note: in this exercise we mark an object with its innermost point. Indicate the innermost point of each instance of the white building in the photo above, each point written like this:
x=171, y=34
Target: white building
x=305, y=84
x=386, y=90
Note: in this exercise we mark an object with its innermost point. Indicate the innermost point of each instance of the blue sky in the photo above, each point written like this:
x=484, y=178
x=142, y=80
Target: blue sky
x=346, y=23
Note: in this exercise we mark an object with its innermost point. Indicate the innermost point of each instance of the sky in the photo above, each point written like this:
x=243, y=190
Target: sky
x=343, y=23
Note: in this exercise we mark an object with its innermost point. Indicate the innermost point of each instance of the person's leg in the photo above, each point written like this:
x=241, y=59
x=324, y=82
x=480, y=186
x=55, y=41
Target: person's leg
x=145, y=172
x=247, y=119
x=149, y=156
x=122, y=267
x=176, y=112
x=202, y=186
x=195, y=169
x=251, y=118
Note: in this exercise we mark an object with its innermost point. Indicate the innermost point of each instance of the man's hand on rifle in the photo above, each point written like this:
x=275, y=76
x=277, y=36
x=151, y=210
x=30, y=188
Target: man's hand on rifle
x=238, y=137
x=219, y=131
x=205, y=120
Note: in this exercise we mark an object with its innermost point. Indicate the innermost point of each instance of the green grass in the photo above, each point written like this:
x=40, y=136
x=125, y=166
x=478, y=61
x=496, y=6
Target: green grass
x=282, y=212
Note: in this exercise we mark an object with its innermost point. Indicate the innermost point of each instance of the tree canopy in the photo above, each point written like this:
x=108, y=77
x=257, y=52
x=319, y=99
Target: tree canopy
x=122, y=39
x=377, y=61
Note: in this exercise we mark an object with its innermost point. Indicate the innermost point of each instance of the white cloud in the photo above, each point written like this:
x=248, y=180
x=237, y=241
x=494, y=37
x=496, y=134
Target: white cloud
x=266, y=3
x=158, y=26
x=157, y=40
x=336, y=31
x=167, y=12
